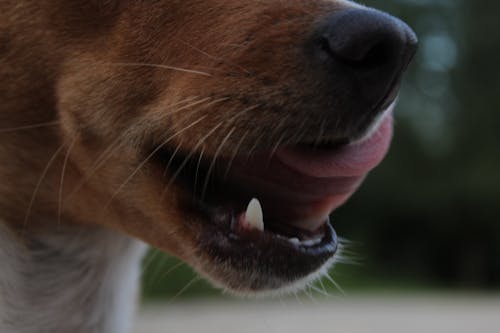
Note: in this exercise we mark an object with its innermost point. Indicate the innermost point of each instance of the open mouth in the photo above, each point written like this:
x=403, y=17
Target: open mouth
x=265, y=217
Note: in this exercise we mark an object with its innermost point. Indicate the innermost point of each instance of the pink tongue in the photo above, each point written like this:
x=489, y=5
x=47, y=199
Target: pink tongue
x=302, y=187
x=353, y=160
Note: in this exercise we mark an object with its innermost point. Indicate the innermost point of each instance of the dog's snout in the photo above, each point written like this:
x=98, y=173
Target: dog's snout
x=366, y=49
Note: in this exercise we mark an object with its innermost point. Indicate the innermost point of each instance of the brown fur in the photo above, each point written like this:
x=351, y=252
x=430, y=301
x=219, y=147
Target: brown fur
x=72, y=67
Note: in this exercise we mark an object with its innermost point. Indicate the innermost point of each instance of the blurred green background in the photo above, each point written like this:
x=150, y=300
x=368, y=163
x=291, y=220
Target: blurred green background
x=427, y=218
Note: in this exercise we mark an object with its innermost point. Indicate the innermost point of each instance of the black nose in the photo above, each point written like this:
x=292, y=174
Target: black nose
x=368, y=51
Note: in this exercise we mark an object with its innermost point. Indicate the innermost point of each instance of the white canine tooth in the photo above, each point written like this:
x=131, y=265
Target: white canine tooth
x=295, y=241
x=254, y=216
x=309, y=242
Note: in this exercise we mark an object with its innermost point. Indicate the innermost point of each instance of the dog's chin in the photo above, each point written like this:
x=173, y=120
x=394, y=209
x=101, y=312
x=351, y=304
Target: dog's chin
x=264, y=265
x=260, y=224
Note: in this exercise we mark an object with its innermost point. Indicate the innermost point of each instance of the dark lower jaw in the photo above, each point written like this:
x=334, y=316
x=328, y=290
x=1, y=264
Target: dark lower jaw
x=279, y=258
x=252, y=263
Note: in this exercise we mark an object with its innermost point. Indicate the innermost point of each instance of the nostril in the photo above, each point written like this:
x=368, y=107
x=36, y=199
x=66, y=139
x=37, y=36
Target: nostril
x=367, y=39
x=375, y=56
x=324, y=45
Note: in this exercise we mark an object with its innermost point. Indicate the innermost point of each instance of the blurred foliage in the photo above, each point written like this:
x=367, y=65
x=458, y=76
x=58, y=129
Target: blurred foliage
x=428, y=216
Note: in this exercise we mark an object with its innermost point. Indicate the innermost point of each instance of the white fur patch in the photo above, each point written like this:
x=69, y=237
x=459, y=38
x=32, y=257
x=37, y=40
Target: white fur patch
x=78, y=281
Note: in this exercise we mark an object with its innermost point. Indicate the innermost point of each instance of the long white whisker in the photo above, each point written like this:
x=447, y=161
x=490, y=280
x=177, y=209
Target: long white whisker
x=167, y=167
x=28, y=127
x=196, y=175
x=255, y=145
x=188, y=157
x=39, y=183
x=214, y=57
x=276, y=147
x=298, y=298
x=335, y=284
x=235, y=153
x=150, y=259
x=319, y=291
x=182, y=108
x=186, y=287
x=323, y=286
x=61, y=183
x=99, y=161
x=172, y=269
x=155, y=272
x=175, y=68
x=214, y=159
x=321, y=131
x=309, y=294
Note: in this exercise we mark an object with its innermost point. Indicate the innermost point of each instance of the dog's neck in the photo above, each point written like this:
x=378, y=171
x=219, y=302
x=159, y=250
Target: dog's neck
x=79, y=281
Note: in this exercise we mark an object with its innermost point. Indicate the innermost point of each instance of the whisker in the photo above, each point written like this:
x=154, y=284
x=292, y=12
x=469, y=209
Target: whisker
x=61, y=183
x=28, y=127
x=210, y=68
x=214, y=159
x=151, y=257
x=167, y=114
x=300, y=133
x=100, y=160
x=232, y=120
x=182, y=108
x=319, y=291
x=235, y=153
x=321, y=132
x=342, y=259
x=255, y=145
x=334, y=283
x=167, y=167
x=172, y=269
x=298, y=298
x=276, y=147
x=214, y=57
x=309, y=294
x=156, y=253
x=154, y=275
x=175, y=68
x=188, y=157
x=320, y=281
x=186, y=287
x=344, y=241
x=158, y=274
x=39, y=183
x=200, y=158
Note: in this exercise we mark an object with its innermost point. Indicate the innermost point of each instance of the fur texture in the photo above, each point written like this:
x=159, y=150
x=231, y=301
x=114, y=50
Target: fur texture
x=90, y=91
x=74, y=280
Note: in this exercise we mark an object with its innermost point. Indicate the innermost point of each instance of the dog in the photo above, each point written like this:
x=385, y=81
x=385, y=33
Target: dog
x=222, y=132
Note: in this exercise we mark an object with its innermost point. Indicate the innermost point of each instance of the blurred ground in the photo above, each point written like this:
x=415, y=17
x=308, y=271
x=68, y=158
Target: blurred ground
x=387, y=314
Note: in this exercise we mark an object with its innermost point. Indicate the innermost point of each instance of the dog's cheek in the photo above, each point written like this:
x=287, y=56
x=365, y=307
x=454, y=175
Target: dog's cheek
x=130, y=198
